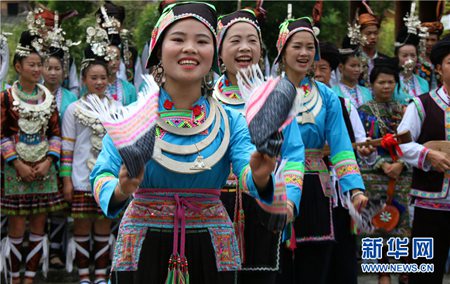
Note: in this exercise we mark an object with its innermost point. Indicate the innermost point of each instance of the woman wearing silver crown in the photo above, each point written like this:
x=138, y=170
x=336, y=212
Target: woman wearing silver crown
x=30, y=142
x=82, y=135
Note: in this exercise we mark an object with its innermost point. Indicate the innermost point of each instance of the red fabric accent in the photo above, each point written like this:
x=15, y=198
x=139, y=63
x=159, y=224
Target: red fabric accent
x=168, y=105
x=197, y=110
x=292, y=240
x=390, y=143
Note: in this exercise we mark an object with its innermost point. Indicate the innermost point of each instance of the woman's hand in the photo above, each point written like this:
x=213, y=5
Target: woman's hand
x=394, y=170
x=25, y=171
x=359, y=200
x=262, y=166
x=127, y=185
x=41, y=169
x=68, y=189
x=440, y=161
x=365, y=151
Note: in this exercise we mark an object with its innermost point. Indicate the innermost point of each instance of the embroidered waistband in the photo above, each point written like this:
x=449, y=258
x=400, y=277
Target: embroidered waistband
x=314, y=161
x=314, y=164
x=179, y=209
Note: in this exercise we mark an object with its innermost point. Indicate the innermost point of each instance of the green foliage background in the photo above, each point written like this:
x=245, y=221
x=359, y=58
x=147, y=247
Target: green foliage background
x=142, y=15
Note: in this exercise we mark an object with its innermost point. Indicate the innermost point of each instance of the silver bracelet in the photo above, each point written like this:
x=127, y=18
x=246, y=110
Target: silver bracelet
x=356, y=194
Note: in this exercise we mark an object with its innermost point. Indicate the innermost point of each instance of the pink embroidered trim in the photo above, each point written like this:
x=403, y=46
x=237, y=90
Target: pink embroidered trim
x=54, y=147
x=8, y=149
x=422, y=156
x=346, y=167
x=99, y=185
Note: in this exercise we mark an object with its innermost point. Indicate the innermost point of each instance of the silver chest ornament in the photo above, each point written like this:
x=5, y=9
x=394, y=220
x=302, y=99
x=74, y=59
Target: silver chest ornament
x=89, y=119
x=33, y=120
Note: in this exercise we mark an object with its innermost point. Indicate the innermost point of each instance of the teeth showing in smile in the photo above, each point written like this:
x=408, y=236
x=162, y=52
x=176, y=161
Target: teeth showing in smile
x=243, y=59
x=188, y=62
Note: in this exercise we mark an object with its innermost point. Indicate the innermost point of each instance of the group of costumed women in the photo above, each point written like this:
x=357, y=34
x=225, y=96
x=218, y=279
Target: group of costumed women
x=248, y=180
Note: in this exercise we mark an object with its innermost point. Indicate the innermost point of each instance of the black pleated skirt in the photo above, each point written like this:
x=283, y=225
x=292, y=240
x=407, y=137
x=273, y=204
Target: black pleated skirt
x=314, y=221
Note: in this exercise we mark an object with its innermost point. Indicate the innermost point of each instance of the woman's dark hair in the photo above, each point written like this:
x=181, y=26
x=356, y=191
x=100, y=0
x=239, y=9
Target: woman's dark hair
x=386, y=66
x=92, y=63
x=343, y=58
x=19, y=58
x=348, y=50
x=398, y=47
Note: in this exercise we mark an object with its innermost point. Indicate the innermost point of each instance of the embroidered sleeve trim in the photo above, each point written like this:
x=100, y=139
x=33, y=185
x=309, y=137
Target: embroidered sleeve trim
x=243, y=178
x=420, y=109
x=8, y=149
x=99, y=182
x=346, y=167
x=68, y=139
x=66, y=164
x=342, y=156
x=422, y=156
x=293, y=174
x=54, y=147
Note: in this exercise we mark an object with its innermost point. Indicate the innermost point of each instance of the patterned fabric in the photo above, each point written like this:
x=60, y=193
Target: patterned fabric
x=14, y=187
x=409, y=89
x=54, y=147
x=85, y=206
x=99, y=183
x=226, y=21
x=30, y=204
x=182, y=119
x=153, y=208
x=8, y=149
x=422, y=156
x=420, y=109
x=376, y=180
x=390, y=114
x=293, y=173
x=316, y=165
x=328, y=127
x=345, y=164
x=66, y=162
x=358, y=95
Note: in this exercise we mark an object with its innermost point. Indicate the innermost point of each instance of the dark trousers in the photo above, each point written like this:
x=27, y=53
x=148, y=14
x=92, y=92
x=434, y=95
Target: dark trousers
x=343, y=264
x=434, y=224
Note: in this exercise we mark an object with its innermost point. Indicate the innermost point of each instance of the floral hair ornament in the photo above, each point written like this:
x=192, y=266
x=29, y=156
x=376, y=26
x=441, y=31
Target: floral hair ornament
x=203, y=12
x=98, y=40
x=35, y=22
x=291, y=26
x=29, y=43
x=226, y=21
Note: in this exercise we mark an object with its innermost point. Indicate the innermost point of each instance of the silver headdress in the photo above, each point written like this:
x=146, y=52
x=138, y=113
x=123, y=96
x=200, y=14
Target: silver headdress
x=110, y=24
x=55, y=40
x=97, y=38
x=36, y=24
